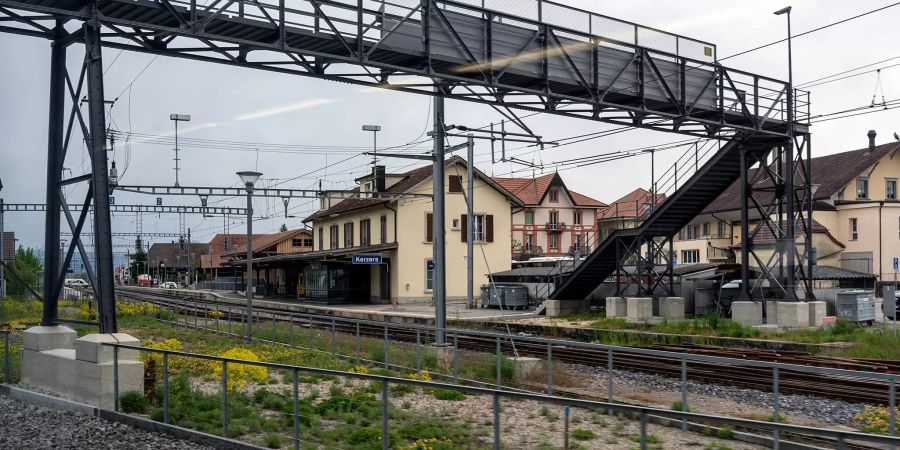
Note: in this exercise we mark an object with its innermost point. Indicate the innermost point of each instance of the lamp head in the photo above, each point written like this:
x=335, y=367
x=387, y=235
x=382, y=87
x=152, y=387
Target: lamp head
x=371, y=127
x=249, y=177
x=785, y=10
x=180, y=117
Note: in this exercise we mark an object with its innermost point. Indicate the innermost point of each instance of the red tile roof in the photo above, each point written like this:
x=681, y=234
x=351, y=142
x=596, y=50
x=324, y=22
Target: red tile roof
x=531, y=191
x=218, y=250
x=631, y=205
x=765, y=236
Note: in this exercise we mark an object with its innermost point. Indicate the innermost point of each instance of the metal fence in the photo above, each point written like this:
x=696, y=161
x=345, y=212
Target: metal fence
x=643, y=414
x=405, y=346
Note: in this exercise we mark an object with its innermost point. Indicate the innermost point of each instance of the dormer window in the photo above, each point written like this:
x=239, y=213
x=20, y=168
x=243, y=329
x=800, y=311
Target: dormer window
x=554, y=196
x=862, y=188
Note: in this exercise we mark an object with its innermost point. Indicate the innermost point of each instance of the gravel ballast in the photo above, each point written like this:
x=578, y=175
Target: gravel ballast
x=26, y=426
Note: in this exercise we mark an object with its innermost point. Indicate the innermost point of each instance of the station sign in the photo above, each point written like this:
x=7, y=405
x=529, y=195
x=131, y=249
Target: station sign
x=896, y=264
x=367, y=259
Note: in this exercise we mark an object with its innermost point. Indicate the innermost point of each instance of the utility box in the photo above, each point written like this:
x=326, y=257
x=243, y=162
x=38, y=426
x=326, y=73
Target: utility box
x=856, y=306
x=505, y=295
x=889, y=305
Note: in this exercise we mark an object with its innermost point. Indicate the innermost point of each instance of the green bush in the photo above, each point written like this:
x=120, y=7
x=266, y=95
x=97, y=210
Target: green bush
x=448, y=394
x=583, y=434
x=133, y=402
x=273, y=440
x=725, y=433
x=366, y=436
x=676, y=406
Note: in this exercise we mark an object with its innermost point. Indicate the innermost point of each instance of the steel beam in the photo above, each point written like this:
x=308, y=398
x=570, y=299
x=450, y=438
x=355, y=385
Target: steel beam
x=37, y=207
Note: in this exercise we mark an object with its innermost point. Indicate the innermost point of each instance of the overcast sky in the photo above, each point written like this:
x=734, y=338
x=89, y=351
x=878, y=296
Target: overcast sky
x=235, y=104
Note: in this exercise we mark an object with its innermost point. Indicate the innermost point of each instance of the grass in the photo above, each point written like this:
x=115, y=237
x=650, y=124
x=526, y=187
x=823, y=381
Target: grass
x=549, y=414
x=583, y=434
x=677, y=405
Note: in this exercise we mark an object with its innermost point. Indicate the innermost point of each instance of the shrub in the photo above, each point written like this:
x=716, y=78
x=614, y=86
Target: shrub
x=364, y=436
x=430, y=444
x=725, y=433
x=449, y=394
x=874, y=419
x=676, y=406
x=273, y=440
x=134, y=402
x=239, y=375
x=716, y=446
x=583, y=434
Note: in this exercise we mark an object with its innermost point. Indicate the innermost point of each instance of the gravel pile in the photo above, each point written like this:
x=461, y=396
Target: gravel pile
x=827, y=410
x=25, y=426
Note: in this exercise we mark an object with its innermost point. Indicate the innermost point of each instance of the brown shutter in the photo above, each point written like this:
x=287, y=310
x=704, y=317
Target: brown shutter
x=463, y=227
x=455, y=184
x=489, y=226
x=429, y=228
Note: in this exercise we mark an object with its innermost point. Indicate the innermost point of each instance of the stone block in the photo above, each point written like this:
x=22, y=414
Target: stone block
x=444, y=356
x=557, y=307
x=816, y=313
x=771, y=312
x=527, y=367
x=42, y=338
x=90, y=347
x=616, y=307
x=639, y=308
x=671, y=307
x=747, y=313
x=793, y=314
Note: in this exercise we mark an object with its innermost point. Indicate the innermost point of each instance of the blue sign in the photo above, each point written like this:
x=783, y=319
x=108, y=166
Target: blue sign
x=158, y=201
x=429, y=265
x=896, y=264
x=112, y=200
x=366, y=259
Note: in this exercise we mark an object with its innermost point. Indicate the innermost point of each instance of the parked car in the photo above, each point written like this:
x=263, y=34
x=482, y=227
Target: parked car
x=143, y=280
x=75, y=283
x=169, y=285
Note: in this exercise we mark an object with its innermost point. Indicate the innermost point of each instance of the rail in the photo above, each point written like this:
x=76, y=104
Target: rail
x=643, y=413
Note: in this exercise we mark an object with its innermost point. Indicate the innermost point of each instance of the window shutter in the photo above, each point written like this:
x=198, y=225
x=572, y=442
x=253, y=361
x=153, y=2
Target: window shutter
x=463, y=228
x=455, y=184
x=429, y=228
x=489, y=227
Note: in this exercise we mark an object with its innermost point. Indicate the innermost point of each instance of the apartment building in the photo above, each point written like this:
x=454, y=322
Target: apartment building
x=555, y=220
x=377, y=248
x=856, y=216
x=627, y=211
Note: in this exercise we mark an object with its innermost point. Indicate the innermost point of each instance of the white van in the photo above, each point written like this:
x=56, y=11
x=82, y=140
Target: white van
x=75, y=283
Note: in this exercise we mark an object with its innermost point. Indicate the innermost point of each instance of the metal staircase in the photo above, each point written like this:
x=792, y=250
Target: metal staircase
x=700, y=186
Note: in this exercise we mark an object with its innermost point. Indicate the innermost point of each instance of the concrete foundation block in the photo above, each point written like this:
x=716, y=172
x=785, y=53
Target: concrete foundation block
x=48, y=338
x=616, y=307
x=639, y=308
x=671, y=307
x=771, y=312
x=444, y=356
x=527, y=367
x=90, y=347
x=793, y=314
x=816, y=313
x=557, y=307
x=747, y=313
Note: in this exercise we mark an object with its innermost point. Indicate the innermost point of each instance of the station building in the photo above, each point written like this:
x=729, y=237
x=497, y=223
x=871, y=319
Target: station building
x=377, y=248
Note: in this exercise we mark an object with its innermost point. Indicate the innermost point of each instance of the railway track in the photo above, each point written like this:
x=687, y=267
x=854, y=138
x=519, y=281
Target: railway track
x=847, y=388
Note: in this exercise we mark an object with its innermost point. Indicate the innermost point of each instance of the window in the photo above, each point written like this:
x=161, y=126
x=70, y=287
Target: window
x=576, y=218
x=429, y=275
x=333, y=236
x=577, y=242
x=706, y=229
x=321, y=238
x=554, y=196
x=348, y=235
x=429, y=228
x=454, y=224
x=862, y=188
x=483, y=228
x=365, y=232
x=529, y=242
x=456, y=184
x=854, y=232
x=721, y=229
x=692, y=232
x=890, y=188
x=297, y=242
x=554, y=240
x=690, y=256
x=681, y=234
x=554, y=217
x=307, y=242
x=529, y=217
x=383, y=221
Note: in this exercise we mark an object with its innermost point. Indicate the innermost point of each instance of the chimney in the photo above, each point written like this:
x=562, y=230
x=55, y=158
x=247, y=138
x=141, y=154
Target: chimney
x=871, y=135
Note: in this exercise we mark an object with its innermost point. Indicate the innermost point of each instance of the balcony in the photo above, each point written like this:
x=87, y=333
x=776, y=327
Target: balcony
x=555, y=226
x=527, y=252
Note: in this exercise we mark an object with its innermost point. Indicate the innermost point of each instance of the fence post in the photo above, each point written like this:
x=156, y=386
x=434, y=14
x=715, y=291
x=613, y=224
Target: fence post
x=496, y=420
x=385, y=347
x=418, y=344
x=566, y=427
x=455, y=356
x=550, y=370
x=684, y=405
x=291, y=329
x=643, y=429
x=274, y=339
x=333, y=338
x=165, y=369
x=6, y=376
x=499, y=383
x=609, y=377
x=385, y=445
x=892, y=405
x=224, y=398
x=217, y=319
x=116, y=376
x=357, y=342
x=776, y=415
x=312, y=332
x=296, y=411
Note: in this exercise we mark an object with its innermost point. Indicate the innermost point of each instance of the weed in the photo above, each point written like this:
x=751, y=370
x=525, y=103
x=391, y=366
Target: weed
x=549, y=414
x=677, y=405
x=583, y=434
x=273, y=440
x=651, y=439
x=134, y=402
x=726, y=432
x=716, y=446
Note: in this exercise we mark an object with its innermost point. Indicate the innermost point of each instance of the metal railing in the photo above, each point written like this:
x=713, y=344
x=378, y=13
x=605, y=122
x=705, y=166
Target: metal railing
x=644, y=414
x=517, y=345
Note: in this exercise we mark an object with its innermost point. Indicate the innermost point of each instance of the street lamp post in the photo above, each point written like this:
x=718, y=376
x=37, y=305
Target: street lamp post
x=374, y=129
x=178, y=118
x=249, y=179
x=2, y=251
x=788, y=233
